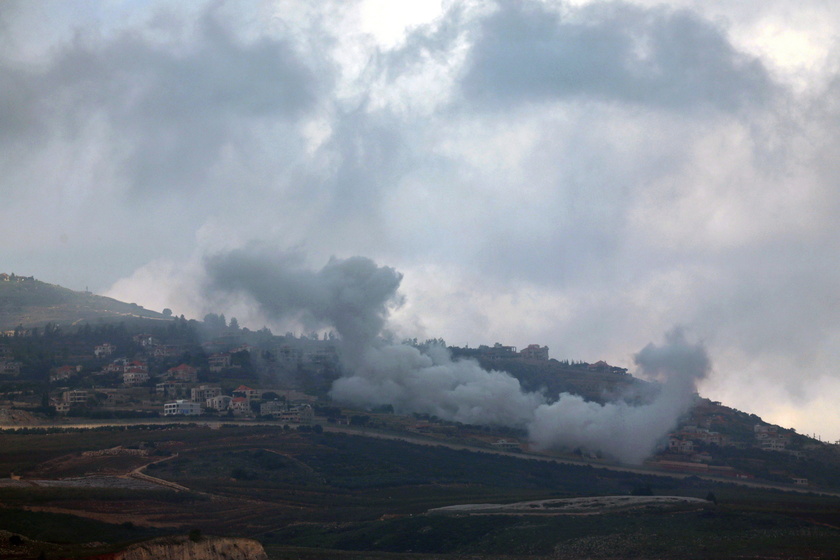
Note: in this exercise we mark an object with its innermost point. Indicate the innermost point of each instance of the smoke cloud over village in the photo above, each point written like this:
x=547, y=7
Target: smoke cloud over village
x=354, y=297
x=581, y=173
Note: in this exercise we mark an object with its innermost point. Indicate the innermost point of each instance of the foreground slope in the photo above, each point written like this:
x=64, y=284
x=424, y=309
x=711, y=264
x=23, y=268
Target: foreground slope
x=312, y=495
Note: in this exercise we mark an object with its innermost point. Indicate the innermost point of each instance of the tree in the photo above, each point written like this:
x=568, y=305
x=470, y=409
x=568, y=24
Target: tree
x=167, y=312
x=234, y=324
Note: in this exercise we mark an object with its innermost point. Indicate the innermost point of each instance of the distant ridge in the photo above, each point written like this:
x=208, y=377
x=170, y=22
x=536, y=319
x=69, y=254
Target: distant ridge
x=27, y=302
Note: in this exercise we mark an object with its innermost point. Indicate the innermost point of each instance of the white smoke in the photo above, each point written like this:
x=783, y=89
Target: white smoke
x=432, y=383
x=353, y=296
x=628, y=432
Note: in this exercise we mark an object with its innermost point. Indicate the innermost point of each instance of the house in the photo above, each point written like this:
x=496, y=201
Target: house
x=117, y=366
x=300, y=414
x=768, y=438
x=247, y=392
x=136, y=367
x=135, y=378
x=682, y=446
x=75, y=397
x=218, y=362
x=9, y=368
x=506, y=445
x=184, y=373
x=219, y=402
x=144, y=340
x=272, y=408
x=775, y=444
x=498, y=352
x=104, y=350
x=603, y=367
x=181, y=408
x=167, y=351
x=535, y=352
x=64, y=372
x=240, y=406
x=204, y=392
x=171, y=389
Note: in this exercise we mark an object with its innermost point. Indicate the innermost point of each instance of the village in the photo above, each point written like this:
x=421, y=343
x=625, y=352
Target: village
x=215, y=370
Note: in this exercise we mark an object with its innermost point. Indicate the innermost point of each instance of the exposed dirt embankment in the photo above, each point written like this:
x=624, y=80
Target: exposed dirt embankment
x=182, y=548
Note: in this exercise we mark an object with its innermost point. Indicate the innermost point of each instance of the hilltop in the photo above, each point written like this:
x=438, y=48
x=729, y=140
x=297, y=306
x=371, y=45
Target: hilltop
x=29, y=303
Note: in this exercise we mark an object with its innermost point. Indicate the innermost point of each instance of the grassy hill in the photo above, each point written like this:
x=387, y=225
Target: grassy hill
x=27, y=302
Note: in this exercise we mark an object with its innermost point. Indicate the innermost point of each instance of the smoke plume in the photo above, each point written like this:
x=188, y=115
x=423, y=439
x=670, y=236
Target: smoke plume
x=353, y=296
x=628, y=432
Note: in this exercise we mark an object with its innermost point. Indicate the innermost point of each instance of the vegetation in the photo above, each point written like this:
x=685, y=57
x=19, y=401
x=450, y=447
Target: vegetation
x=333, y=495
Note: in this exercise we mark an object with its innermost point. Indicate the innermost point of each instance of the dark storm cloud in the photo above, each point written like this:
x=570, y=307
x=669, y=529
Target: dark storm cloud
x=615, y=52
x=170, y=107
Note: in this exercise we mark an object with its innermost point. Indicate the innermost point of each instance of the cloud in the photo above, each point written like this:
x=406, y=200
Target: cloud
x=170, y=109
x=612, y=52
x=582, y=175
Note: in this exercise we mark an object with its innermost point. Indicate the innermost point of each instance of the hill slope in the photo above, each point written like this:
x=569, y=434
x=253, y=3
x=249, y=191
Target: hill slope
x=29, y=303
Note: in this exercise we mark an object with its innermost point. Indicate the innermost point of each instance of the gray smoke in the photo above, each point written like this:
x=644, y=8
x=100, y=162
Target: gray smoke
x=353, y=296
x=628, y=432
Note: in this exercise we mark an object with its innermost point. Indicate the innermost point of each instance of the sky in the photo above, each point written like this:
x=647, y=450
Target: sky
x=582, y=175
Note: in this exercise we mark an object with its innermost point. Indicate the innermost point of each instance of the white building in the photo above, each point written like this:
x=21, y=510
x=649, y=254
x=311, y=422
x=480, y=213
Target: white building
x=181, y=408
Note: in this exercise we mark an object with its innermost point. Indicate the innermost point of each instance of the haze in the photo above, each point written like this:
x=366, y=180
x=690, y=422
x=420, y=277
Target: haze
x=579, y=175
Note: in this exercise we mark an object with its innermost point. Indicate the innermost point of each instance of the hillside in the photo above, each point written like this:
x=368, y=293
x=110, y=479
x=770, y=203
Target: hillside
x=337, y=494
x=27, y=302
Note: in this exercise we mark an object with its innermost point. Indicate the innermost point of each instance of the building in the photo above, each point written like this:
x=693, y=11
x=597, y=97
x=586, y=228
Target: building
x=144, y=340
x=184, y=373
x=172, y=390
x=507, y=445
x=181, y=408
x=218, y=362
x=535, y=352
x=167, y=351
x=272, y=408
x=247, y=392
x=204, y=392
x=64, y=372
x=682, y=446
x=498, y=352
x=240, y=406
x=75, y=397
x=104, y=350
x=300, y=414
x=219, y=402
x=133, y=379
x=9, y=368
